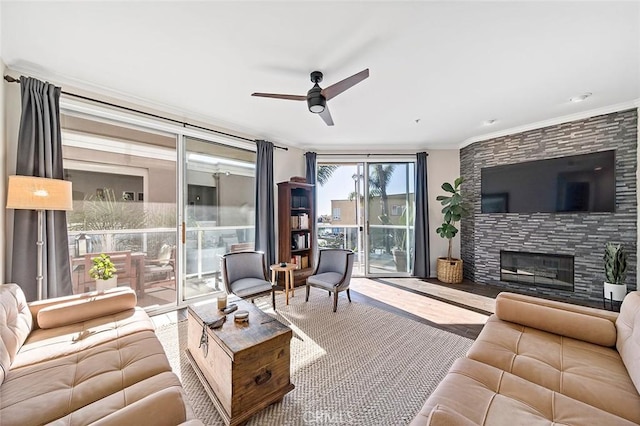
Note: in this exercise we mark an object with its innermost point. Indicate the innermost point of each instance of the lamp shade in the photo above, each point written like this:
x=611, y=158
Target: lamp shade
x=36, y=193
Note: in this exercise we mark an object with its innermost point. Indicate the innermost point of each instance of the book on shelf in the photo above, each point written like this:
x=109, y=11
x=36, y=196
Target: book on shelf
x=299, y=202
x=302, y=241
x=301, y=261
x=300, y=221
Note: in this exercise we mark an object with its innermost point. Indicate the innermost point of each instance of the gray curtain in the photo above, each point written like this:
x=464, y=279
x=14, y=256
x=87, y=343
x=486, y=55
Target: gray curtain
x=40, y=154
x=265, y=226
x=310, y=161
x=421, y=262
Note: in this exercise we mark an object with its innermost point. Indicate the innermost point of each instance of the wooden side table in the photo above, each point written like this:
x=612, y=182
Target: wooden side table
x=288, y=278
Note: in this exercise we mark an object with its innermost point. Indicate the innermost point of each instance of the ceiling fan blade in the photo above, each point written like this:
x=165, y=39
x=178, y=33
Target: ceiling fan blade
x=326, y=116
x=335, y=89
x=278, y=96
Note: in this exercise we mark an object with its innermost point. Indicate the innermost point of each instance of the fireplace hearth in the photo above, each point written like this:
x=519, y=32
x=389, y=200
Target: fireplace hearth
x=537, y=269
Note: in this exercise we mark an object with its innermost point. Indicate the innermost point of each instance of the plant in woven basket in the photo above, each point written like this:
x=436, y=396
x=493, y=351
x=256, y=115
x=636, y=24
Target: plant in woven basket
x=454, y=209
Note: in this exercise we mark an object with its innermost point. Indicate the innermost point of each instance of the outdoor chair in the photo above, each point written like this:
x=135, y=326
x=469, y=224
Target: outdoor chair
x=161, y=272
x=333, y=273
x=244, y=274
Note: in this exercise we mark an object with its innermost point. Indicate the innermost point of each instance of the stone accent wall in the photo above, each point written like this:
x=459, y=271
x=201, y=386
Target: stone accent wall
x=582, y=235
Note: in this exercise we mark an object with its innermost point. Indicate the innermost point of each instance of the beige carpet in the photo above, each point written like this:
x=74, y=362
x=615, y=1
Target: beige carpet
x=359, y=366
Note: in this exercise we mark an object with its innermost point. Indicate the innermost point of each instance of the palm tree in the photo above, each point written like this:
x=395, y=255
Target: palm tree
x=324, y=173
x=379, y=179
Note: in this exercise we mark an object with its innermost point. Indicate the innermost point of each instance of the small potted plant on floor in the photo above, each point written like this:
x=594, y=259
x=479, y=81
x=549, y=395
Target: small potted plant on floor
x=449, y=269
x=104, y=272
x=615, y=271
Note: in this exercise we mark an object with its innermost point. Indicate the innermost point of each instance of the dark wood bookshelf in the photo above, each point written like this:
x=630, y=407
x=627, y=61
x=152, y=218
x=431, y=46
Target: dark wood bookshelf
x=295, y=200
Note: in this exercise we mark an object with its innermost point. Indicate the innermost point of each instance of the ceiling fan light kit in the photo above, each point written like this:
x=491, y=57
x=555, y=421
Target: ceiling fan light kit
x=315, y=100
x=317, y=97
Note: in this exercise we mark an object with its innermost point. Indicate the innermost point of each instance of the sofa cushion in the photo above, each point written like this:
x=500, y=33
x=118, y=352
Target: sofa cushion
x=628, y=343
x=108, y=376
x=15, y=325
x=579, y=322
x=485, y=395
x=441, y=415
x=164, y=407
x=47, y=344
x=85, y=309
x=584, y=371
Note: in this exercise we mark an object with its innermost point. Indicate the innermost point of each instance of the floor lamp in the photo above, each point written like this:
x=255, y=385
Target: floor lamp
x=40, y=194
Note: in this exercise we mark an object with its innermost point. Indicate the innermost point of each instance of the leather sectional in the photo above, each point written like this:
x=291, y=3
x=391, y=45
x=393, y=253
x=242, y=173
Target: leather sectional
x=87, y=359
x=543, y=362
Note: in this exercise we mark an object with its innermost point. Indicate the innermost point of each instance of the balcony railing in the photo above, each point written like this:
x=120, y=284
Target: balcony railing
x=386, y=245
x=204, y=247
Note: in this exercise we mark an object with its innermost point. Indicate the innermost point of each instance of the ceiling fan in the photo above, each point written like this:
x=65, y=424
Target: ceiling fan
x=317, y=97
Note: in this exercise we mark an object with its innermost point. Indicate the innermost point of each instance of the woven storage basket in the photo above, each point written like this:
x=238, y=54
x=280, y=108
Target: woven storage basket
x=449, y=271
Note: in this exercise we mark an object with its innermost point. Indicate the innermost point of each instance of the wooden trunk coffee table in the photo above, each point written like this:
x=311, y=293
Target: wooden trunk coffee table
x=244, y=367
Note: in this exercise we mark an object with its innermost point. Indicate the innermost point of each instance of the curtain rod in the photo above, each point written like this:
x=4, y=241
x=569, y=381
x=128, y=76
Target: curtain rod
x=365, y=155
x=10, y=79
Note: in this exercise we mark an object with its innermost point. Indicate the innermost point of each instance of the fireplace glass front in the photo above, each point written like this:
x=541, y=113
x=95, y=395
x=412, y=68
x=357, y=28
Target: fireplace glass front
x=538, y=269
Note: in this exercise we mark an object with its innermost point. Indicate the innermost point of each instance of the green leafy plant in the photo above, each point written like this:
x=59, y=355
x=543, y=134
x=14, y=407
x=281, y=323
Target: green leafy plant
x=455, y=208
x=615, y=263
x=103, y=268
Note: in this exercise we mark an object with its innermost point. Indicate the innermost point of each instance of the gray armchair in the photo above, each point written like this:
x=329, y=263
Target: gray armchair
x=333, y=273
x=244, y=274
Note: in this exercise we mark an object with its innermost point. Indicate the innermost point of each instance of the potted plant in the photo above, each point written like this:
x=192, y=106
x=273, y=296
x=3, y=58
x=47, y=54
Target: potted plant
x=399, y=249
x=615, y=271
x=399, y=252
x=104, y=272
x=449, y=269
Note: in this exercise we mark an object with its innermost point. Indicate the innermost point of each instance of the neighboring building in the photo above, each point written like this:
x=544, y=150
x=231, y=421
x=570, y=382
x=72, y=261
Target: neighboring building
x=343, y=212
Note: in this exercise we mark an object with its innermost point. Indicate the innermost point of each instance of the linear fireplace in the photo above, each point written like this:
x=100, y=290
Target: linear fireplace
x=539, y=269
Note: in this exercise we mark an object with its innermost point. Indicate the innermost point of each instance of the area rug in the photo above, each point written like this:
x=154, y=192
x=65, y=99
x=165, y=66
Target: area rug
x=359, y=366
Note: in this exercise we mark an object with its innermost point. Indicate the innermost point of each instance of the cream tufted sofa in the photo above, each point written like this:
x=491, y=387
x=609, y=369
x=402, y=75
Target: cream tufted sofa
x=86, y=359
x=543, y=362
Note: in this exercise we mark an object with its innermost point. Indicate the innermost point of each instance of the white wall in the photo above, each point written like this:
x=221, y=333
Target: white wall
x=12, y=111
x=3, y=167
x=285, y=165
x=442, y=166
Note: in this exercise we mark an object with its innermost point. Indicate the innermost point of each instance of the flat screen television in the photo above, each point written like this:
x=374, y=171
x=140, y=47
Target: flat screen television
x=576, y=183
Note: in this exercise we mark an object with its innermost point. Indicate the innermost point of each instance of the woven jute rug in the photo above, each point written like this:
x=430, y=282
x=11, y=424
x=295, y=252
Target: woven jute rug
x=359, y=366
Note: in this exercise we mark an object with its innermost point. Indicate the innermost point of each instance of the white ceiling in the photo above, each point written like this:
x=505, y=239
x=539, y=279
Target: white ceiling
x=452, y=65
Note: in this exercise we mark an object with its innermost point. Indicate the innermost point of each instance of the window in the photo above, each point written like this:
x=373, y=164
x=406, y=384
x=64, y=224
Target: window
x=126, y=186
x=124, y=205
x=397, y=210
x=220, y=212
x=336, y=213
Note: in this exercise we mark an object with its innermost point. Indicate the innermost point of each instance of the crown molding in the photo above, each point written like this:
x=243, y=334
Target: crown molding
x=554, y=121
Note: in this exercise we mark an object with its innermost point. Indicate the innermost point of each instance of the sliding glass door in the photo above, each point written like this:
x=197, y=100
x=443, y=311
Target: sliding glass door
x=340, y=209
x=124, y=205
x=380, y=229
x=218, y=196
x=390, y=205
x=163, y=205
